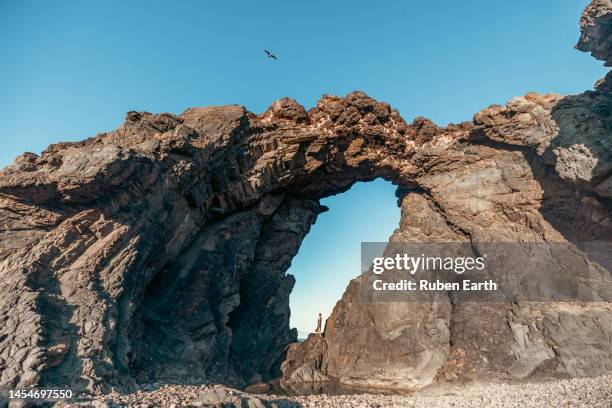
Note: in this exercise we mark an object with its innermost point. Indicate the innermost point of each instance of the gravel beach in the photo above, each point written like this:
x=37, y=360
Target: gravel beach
x=585, y=392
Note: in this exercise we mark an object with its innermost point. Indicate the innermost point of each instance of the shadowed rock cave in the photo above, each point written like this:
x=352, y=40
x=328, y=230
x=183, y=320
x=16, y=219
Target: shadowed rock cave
x=239, y=267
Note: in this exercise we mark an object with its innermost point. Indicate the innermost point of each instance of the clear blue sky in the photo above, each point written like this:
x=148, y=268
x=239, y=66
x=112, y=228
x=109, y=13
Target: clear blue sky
x=330, y=254
x=71, y=69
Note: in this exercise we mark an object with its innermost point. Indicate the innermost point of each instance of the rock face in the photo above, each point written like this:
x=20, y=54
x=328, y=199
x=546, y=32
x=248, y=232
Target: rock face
x=158, y=252
x=306, y=361
x=596, y=28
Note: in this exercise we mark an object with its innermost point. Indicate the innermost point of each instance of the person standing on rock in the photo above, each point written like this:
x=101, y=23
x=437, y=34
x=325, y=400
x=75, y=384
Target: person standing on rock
x=319, y=321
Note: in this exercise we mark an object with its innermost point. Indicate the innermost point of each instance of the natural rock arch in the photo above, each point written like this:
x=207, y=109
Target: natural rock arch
x=158, y=251
x=227, y=190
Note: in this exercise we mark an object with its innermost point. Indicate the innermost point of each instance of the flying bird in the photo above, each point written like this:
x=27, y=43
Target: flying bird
x=270, y=55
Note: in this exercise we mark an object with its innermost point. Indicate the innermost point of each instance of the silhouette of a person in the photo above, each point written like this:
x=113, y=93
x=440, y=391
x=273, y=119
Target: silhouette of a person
x=319, y=321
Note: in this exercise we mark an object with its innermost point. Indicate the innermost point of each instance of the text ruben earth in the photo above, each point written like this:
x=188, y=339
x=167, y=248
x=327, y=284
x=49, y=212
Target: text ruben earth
x=414, y=264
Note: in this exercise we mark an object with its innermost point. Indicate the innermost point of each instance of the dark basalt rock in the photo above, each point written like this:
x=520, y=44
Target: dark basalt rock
x=159, y=251
x=596, y=30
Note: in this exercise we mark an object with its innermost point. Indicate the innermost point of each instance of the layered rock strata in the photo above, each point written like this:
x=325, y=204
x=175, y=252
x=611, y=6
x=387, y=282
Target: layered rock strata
x=159, y=251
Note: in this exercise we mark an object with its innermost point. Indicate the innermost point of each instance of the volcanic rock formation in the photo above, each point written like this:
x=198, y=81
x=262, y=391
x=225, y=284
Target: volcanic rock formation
x=159, y=251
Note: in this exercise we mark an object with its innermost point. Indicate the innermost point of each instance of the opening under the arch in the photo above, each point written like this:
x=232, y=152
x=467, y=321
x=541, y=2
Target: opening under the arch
x=330, y=254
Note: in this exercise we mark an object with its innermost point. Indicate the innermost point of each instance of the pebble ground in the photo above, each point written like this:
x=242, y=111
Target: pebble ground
x=583, y=393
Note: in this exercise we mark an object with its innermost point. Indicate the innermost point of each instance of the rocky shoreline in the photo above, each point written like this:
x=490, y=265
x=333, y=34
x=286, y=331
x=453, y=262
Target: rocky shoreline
x=577, y=392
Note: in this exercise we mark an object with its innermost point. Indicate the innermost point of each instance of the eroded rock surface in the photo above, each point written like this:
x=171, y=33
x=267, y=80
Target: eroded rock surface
x=159, y=251
x=306, y=362
x=596, y=29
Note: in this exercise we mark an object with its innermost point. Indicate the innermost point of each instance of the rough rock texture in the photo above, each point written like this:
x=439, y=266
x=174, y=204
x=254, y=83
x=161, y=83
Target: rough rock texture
x=305, y=362
x=519, y=179
x=596, y=29
x=158, y=252
x=537, y=169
